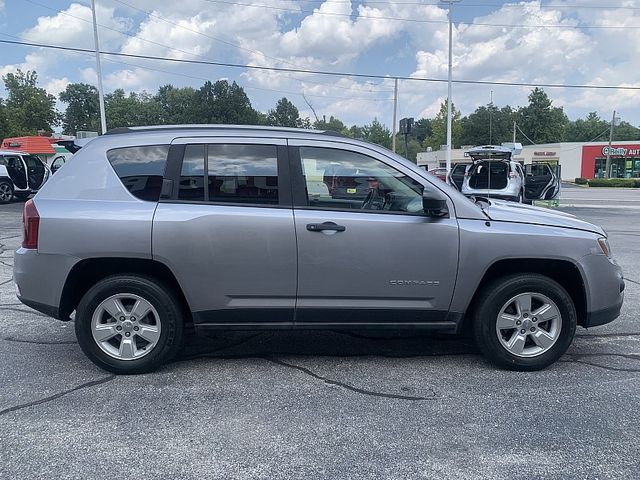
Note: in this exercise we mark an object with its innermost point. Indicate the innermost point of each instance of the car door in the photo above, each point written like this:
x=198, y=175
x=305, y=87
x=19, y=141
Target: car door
x=378, y=260
x=37, y=173
x=224, y=226
x=57, y=163
x=457, y=175
x=541, y=182
x=17, y=171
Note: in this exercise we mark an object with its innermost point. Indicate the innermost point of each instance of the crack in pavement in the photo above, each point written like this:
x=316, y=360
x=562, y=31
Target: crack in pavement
x=6, y=281
x=6, y=264
x=347, y=386
x=92, y=383
x=32, y=312
x=38, y=342
x=632, y=281
x=605, y=335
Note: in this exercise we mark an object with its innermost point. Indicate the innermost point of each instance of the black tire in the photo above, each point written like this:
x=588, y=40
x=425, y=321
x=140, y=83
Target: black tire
x=493, y=298
x=171, y=317
x=6, y=191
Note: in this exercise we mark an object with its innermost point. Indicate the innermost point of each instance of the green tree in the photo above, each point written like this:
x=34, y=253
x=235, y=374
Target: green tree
x=28, y=107
x=286, y=114
x=626, y=131
x=131, y=110
x=439, y=128
x=225, y=103
x=333, y=124
x=487, y=125
x=422, y=128
x=540, y=120
x=83, y=108
x=584, y=130
x=377, y=133
x=4, y=123
x=177, y=106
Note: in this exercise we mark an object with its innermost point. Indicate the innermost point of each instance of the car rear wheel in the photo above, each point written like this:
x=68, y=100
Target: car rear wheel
x=524, y=322
x=129, y=324
x=6, y=191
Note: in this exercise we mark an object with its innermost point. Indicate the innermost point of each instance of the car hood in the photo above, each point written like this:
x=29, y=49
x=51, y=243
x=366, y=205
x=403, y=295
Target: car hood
x=504, y=211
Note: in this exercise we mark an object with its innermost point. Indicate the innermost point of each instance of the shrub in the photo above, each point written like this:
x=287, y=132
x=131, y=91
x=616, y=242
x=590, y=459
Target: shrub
x=615, y=182
x=581, y=181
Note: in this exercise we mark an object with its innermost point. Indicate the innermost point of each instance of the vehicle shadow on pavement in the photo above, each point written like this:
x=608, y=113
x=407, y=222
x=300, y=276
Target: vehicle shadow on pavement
x=329, y=343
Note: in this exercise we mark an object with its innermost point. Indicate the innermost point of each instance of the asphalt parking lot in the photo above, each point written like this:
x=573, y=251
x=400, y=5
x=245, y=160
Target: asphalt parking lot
x=283, y=405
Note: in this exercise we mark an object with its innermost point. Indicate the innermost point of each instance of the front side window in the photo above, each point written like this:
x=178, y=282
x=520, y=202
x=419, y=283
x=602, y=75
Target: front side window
x=344, y=180
x=140, y=169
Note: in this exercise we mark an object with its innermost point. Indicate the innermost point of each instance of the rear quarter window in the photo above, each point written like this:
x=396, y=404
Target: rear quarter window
x=140, y=169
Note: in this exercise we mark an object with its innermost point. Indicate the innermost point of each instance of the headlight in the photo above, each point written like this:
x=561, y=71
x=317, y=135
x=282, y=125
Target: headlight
x=604, y=246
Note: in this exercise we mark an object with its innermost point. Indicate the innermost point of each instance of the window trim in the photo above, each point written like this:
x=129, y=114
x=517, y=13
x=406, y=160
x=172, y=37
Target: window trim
x=176, y=157
x=298, y=184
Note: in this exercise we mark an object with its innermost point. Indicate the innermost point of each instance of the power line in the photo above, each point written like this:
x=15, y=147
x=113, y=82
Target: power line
x=185, y=51
x=415, y=20
x=474, y=5
x=324, y=72
x=171, y=22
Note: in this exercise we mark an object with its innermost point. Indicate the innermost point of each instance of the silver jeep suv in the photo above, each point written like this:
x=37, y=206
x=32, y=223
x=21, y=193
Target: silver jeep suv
x=146, y=230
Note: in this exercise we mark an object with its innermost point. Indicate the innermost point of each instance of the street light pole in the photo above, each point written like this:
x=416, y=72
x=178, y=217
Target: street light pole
x=450, y=2
x=103, y=117
x=395, y=111
x=607, y=165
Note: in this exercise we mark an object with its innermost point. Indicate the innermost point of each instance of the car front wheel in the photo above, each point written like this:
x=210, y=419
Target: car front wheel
x=129, y=324
x=524, y=322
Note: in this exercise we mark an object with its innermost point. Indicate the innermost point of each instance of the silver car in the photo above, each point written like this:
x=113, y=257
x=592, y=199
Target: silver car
x=494, y=174
x=21, y=174
x=148, y=230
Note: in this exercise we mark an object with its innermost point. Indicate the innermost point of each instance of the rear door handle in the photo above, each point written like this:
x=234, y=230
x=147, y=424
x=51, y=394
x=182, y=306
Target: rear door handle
x=319, y=227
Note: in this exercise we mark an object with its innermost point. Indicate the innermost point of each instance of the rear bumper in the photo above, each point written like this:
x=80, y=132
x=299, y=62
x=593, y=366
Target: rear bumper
x=40, y=279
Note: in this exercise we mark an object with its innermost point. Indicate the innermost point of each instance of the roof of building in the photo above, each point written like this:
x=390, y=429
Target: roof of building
x=34, y=144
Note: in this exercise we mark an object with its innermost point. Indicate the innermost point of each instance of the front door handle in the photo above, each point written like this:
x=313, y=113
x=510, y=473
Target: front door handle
x=319, y=227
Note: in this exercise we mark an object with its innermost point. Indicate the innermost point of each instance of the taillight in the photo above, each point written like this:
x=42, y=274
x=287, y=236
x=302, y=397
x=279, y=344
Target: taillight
x=30, y=225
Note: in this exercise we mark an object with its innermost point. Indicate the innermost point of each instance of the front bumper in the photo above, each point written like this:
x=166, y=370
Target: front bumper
x=605, y=290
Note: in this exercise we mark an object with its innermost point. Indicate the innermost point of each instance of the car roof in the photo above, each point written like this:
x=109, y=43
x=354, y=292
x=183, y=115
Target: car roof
x=13, y=152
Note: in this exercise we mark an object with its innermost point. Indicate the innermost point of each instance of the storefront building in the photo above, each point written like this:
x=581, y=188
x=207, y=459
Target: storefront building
x=624, y=160
x=575, y=159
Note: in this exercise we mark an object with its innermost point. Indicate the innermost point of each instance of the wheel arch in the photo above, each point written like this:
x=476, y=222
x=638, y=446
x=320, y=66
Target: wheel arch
x=565, y=272
x=87, y=272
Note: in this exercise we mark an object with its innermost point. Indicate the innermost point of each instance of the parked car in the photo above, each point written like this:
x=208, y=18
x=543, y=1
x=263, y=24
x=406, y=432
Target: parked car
x=441, y=173
x=493, y=173
x=21, y=175
x=223, y=227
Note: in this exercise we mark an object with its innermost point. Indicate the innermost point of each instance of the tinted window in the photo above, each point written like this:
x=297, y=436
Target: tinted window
x=32, y=161
x=192, y=174
x=140, y=169
x=539, y=169
x=340, y=179
x=243, y=173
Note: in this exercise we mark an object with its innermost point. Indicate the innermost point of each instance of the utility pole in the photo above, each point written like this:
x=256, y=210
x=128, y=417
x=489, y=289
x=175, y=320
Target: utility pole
x=395, y=110
x=608, y=163
x=490, y=116
x=450, y=2
x=103, y=117
x=514, y=131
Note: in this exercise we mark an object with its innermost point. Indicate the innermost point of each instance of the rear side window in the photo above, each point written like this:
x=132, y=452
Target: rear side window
x=140, y=169
x=234, y=173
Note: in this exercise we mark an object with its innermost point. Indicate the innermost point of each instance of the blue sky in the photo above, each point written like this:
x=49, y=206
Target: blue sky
x=549, y=42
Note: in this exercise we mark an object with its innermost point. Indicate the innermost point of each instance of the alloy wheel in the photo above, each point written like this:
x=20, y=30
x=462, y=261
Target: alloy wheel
x=5, y=192
x=528, y=324
x=125, y=326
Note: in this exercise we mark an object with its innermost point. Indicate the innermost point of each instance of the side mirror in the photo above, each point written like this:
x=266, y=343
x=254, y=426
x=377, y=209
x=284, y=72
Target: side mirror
x=434, y=207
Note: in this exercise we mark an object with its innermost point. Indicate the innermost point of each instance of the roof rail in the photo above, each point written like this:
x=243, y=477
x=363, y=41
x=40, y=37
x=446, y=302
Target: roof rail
x=156, y=128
